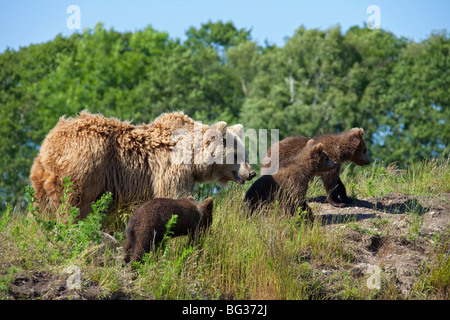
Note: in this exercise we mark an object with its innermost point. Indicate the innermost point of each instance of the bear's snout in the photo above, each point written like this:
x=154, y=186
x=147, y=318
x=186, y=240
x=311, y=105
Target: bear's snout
x=364, y=161
x=251, y=175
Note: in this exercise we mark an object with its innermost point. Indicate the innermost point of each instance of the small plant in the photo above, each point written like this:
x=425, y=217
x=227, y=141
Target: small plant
x=88, y=230
x=33, y=209
x=416, y=220
x=6, y=216
x=65, y=209
x=415, y=226
x=352, y=187
x=169, y=232
x=65, y=230
x=162, y=245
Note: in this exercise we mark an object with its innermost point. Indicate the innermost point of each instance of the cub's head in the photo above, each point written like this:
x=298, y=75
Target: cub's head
x=204, y=209
x=357, y=146
x=207, y=209
x=318, y=157
x=225, y=145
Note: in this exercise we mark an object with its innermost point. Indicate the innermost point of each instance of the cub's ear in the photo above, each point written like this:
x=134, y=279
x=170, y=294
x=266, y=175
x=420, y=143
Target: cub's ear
x=191, y=198
x=208, y=205
x=318, y=148
x=358, y=132
x=310, y=142
x=238, y=129
x=220, y=126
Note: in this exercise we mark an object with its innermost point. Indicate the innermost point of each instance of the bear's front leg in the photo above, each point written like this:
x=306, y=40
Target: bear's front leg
x=330, y=182
x=341, y=192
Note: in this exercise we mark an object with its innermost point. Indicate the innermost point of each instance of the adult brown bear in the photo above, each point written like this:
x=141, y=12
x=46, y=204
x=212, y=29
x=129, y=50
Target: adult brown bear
x=135, y=162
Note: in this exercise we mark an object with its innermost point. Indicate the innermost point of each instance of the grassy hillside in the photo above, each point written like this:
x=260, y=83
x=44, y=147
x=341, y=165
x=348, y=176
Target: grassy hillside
x=392, y=243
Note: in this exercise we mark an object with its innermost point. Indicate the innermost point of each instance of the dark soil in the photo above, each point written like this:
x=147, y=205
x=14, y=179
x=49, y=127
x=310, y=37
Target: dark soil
x=47, y=286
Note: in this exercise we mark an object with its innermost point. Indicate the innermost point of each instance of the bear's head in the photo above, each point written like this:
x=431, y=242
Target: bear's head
x=318, y=157
x=225, y=145
x=207, y=209
x=217, y=152
x=358, y=148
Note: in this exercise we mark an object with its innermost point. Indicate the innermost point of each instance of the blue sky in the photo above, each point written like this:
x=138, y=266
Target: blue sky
x=25, y=21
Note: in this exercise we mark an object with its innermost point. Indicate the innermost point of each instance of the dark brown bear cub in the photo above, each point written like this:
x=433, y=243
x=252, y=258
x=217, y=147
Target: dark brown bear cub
x=291, y=180
x=147, y=224
x=347, y=146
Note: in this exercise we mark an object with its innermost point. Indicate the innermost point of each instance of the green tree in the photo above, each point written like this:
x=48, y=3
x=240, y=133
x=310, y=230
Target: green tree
x=21, y=120
x=219, y=35
x=324, y=82
x=416, y=126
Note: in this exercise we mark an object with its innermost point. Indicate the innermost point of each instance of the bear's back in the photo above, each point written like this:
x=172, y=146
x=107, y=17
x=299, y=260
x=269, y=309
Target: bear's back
x=157, y=212
x=287, y=148
x=261, y=190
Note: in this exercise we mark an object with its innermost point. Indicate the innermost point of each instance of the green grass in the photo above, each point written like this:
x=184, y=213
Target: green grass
x=429, y=177
x=272, y=256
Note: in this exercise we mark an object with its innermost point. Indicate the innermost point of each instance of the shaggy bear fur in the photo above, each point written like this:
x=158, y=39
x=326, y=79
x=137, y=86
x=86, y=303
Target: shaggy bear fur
x=134, y=162
x=291, y=181
x=147, y=224
x=347, y=146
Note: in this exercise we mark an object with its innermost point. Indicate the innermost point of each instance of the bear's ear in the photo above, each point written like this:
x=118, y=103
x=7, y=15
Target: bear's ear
x=208, y=205
x=212, y=133
x=318, y=148
x=310, y=142
x=191, y=198
x=357, y=132
x=220, y=126
x=238, y=129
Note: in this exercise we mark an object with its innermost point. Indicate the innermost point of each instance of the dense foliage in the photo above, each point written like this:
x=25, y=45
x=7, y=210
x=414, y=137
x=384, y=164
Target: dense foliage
x=319, y=81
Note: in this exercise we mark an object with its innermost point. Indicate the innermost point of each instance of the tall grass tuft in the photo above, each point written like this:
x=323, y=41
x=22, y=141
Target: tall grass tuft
x=429, y=177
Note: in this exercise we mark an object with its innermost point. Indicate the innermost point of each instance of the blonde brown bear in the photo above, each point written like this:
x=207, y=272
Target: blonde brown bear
x=135, y=162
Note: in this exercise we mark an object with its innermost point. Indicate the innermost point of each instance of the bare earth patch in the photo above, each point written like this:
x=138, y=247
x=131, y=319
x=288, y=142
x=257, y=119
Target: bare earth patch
x=47, y=286
x=396, y=233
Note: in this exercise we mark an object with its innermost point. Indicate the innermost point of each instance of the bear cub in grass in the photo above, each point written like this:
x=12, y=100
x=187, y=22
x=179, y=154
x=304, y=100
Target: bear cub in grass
x=291, y=180
x=346, y=146
x=147, y=224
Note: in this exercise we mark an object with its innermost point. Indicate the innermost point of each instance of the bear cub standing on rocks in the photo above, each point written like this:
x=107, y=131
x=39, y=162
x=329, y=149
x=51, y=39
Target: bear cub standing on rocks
x=291, y=180
x=347, y=146
x=147, y=224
